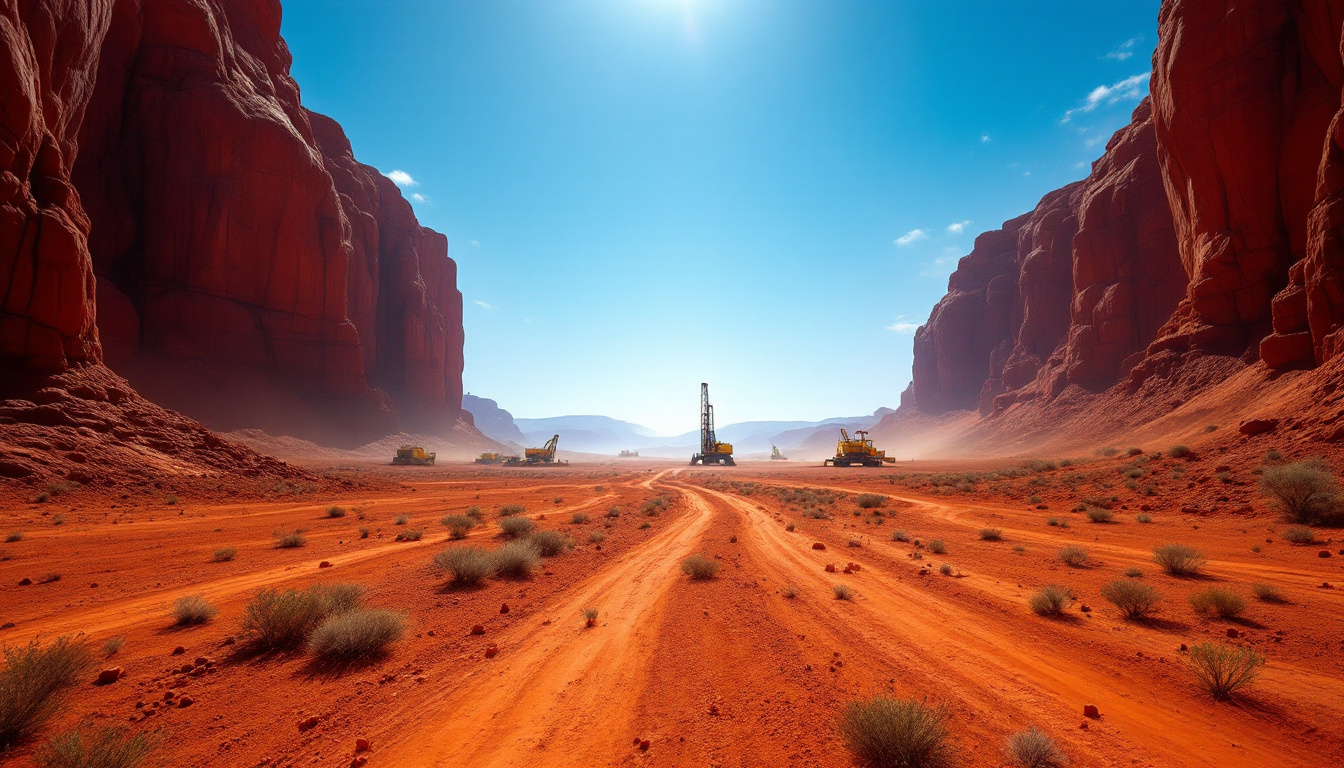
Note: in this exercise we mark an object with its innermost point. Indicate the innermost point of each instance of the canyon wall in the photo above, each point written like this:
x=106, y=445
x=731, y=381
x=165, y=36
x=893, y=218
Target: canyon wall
x=178, y=214
x=1212, y=225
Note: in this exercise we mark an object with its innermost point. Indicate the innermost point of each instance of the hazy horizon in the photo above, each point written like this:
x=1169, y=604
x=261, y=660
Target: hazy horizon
x=645, y=195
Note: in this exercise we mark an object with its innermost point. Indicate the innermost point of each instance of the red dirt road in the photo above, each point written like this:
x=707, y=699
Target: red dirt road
x=725, y=672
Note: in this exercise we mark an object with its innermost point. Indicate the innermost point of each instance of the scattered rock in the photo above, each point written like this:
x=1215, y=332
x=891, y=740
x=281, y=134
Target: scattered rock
x=324, y=564
x=308, y=723
x=1085, y=608
x=1323, y=553
x=1255, y=427
x=504, y=608
x=358, y=760
x=202, y=661
x=818, y=545
x=491, y=651
x=644, y=745
x=1090, y=710
x=185, y=701
x=25, y=581
x=477, y=629
x=110, y=675
x=830, y=567
x=179, y=650
x=1184, y=647
x=362, y=745
x=1233, y=633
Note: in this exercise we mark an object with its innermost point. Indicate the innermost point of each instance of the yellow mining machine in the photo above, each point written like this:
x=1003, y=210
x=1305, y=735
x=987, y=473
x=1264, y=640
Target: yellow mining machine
x=859, y=451
x=775, y=455
x=413, y=454
x=711, y=450
x=491, y=458
x=542, y=455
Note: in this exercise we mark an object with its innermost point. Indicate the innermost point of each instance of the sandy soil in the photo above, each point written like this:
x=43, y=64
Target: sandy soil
x=726, y=672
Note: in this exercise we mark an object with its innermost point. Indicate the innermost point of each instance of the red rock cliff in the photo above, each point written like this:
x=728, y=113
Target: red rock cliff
x=249, y=270
x=1213, y=224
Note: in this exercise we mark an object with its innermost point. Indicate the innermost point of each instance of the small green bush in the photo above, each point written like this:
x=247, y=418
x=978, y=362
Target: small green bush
x=112, y=646
x=870, y=500
x=517, y=558
x=225, y=554
x=885, y=732
x=1180, y=452
x=466, y=565
x=1134, y=599
x=401, y=520
x=1296, y=534
x=290, y=540
x=410, y=534
x=275, y=619
x=1143, y=517
x=552, y=543
x=360, y=633
x=842, y=592
x=579, y=518
x=938, y=547
x=1073, y=555
x=699, y=567
x=596, y=537
x=1223, y=670
x=458, y=526
x=1051, y=600
x=1057, y=522
x=1218, y=601
x=1267, y=593
x=899, y=535
x=509, y=510
x=105, y=748
x=1032, y=748
x=1099, y=515
x=36, y=682
x=334, y=511
x=1134, y=573
x=1179, y=559
x=193, y=609
x=516, y=526
x=1305, y=491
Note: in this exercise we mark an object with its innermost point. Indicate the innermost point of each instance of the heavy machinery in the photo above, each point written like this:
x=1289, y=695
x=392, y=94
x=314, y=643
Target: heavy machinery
x=413, y=454
x=775, y=455
x=711, y=450
x=629, y=454
x=491, y=458
x=857, y=452
x=542, y=455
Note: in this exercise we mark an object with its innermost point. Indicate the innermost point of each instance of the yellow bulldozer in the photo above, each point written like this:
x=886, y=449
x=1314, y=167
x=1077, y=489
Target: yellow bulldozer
x=858, y=451
x=413, y=454
x=491, y=458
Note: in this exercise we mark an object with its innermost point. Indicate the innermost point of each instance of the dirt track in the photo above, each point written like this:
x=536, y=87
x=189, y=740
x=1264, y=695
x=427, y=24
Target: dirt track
x=727, y=672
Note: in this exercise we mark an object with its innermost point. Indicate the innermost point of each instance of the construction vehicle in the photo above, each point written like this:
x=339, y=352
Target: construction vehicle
x=629, y=454
x=491, y=458
x=711, y=450
x=775, y=455
x=413, y=454
x=857, y=452
x=542, y=455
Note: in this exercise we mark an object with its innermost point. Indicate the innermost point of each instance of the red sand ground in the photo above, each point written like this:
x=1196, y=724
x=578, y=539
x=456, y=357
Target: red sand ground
x=728, y=672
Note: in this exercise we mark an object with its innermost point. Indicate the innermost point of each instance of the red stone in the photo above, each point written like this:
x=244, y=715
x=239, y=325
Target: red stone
x=1323, y=553
x=830, y=567
x=308, y=723
x=818, y=545
x=1254, y=427
x=644, y=745
x=324, y=564
x=111, y=675
x=185, y=701
x=179, y=650
x=504, y=608
x=491, y=651
x=477, y=629
x=1090, y=710
x=25, y=581
x=1233, y=633
x=362, y=745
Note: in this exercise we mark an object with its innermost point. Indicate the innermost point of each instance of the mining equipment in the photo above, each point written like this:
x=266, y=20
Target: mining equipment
x=492, y=458
x=629, y=454
x=857, y=452
x=775, y=455
x=542, y=455
x=413, y=454
x=711, y=450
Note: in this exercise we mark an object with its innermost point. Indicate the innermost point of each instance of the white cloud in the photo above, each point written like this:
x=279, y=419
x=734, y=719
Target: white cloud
x=902, y=325
x=419, y=198
x=957, y=227
x=984, y=138
x=482, y=304
x=1124, y=50
x=913, y=236
x=402, y=179
x=1129, y=89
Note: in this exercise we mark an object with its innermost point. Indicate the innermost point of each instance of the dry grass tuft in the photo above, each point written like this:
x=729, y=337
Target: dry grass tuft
x=885, y=732
x=699, y=567
x=35, y=683
x=467, y=565
x=360, y=633
x=1179, y=559
x=193, y=609
x=1134, y=599
x=1223, y=670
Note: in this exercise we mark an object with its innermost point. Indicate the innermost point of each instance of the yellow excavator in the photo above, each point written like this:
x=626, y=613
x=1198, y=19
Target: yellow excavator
x=542, y=455
x=413, y=454
x=857, y=451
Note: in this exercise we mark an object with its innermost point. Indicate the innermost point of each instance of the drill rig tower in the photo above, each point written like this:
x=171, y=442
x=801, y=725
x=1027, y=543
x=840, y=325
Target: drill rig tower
x=711, y=450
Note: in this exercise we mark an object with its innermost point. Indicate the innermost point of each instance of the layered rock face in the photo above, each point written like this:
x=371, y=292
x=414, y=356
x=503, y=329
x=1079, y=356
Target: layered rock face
x=1213, y=224
x=249, y=270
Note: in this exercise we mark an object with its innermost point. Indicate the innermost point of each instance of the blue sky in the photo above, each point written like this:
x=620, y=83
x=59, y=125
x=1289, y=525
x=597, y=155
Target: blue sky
x=767, y=195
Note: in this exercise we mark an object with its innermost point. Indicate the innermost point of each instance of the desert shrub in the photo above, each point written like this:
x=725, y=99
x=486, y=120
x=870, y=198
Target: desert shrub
x=1032, y=748
x=475, y=512
x=1305, y=491
x=193, y=609
x=410, y=534
x=35, y=682
x=1143, y=517
x=401, y=520
x=1224, y=477
x=363, y=532
x=1267, y=593
x=511, y=509
x=1038, y=465
x=1099, y=515
x=579, y=518
x=1218, y=601
x=16, y=536
x=106, y=748
x=1179, y=451
x=1034, y=499
x=1135, y=600
x=842, y=591
x=596, y=537
x=466, y=565
x=991, y=534
x=850, y=543
x=1222, y=670
x=275, y=619
x=1296, y=534
x=1134, y=573
x=789, y=591
x=1073, y=555
x=870, y=500
x=590, y=615
x=360, y=633
x=290, y=539
x=552, y=543
x=1057, y=522
x=1178, y=559
x=885, y=732
x=1051, y=600
x=614, y=512
x=225, y=554
x=699, y=567
x=112, y=645
x=1133, y=451
x=335, y=511
x=458, y=526
x=1273, y=455
x=816, y=514
x=516, y=526
x=945, y=569
x=938, y=547
x=517, y=558
x=899, y=535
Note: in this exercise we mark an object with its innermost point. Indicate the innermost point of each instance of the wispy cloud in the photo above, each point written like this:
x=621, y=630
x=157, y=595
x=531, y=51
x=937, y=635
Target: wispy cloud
x=957, y=227
x=1129, y=89
x=475, y=242
x=482, y=304
x=419, y=198
x=1124, y=50
x=402, y=179
x=903, y=326
x=913, y=236
x=984, y=138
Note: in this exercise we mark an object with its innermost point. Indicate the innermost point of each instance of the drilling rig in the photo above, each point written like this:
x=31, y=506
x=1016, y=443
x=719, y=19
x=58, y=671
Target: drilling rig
x=542, y=455
x=711, y=450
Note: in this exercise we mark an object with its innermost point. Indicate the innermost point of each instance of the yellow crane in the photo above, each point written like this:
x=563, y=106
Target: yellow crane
x=857, y=451
x=542, y=455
